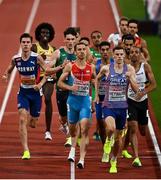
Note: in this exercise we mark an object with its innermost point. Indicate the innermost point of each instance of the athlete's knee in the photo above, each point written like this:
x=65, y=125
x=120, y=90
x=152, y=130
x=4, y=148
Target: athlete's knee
x=84, y=131
x=23, y=115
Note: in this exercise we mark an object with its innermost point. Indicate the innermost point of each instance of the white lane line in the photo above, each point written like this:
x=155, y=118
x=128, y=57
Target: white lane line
x=150, y=126
x=154, y=140
x=73, y=24
x=73, y=13
x=10, y=83
x=115, y=12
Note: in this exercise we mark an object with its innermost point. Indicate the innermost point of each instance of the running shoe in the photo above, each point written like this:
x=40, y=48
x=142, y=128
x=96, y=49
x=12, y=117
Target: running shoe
x=80, y=164
x=26, y=155
x=137, y=162
x=107, y=146
x=105, y=158
x=48, y=136
x=68, y=142
x=126, y=155
x=113, y=168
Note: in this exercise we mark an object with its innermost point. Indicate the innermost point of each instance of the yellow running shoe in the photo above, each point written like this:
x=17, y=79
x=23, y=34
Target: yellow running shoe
x=113, y=168
x=26, y=155
x=126, y=155
x=68, y=142
x=137, y=162
x=107, y=146
x=105, y=158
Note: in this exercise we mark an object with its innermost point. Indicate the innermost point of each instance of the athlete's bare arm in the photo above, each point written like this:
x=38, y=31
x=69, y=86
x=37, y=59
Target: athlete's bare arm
x=93, y=74
x=55, y=57
x=63, y=77
x=151, y=79
x=9, y=70
x=104, y=71
x=132, y=78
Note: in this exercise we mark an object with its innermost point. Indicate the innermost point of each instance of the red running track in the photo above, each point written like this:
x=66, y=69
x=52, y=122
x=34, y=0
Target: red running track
x=49, y=158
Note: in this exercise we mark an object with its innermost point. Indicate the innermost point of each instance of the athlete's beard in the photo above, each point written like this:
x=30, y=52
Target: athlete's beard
x=127, y=51
x=133, y=59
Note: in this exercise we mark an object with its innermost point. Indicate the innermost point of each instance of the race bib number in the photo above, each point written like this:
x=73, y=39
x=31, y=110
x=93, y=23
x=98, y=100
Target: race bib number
x=117, y=93
x=28, y=80
x=83, y=88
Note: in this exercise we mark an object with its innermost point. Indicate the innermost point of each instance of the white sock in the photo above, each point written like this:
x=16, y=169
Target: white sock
x=72, y=150
x=114, y=158
x=81, y=161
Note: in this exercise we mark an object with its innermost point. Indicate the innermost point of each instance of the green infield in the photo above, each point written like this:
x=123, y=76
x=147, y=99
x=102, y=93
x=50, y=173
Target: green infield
x=128, y=9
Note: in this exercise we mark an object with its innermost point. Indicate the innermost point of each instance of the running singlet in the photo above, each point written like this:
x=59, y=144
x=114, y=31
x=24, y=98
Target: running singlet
x=47, y=53
x=64, y=56
x=80, y=78
x=102, y=85
x=95, y=53
x=27, y=69
x=141, y=80
x=116, y=89
x=137, y=41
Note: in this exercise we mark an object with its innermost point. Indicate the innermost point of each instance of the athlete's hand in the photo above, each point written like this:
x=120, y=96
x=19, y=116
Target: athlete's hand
x=5, y=78
x=139, y=95
x=37, y=87
x=65, y=63
x=128, y=74
x=74, y=88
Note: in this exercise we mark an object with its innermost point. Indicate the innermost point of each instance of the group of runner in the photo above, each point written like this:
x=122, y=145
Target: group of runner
x=108, y=77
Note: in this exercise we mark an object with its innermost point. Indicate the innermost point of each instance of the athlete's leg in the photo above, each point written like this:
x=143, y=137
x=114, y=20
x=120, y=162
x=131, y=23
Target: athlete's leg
x=23, y=122
x=84, y=124
x=48, y=88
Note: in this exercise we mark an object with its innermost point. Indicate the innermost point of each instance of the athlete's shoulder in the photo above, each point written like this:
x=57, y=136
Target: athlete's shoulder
x=33, y=54
x=16, y=57
x=112, y=35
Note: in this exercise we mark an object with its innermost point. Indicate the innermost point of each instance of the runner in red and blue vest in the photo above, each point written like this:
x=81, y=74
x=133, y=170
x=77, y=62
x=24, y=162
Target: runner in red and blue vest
x=79, y=74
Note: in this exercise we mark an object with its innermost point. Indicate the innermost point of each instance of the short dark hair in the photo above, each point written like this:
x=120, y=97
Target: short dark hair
x=104, y=43
x=117, y=48
x=44, y=25
x=128, y=37
x=96, y=31
x=26, y=35
x=133, y=21
x=123, y=18
x=84, y=38
x=70, y=30
x=79, y=43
